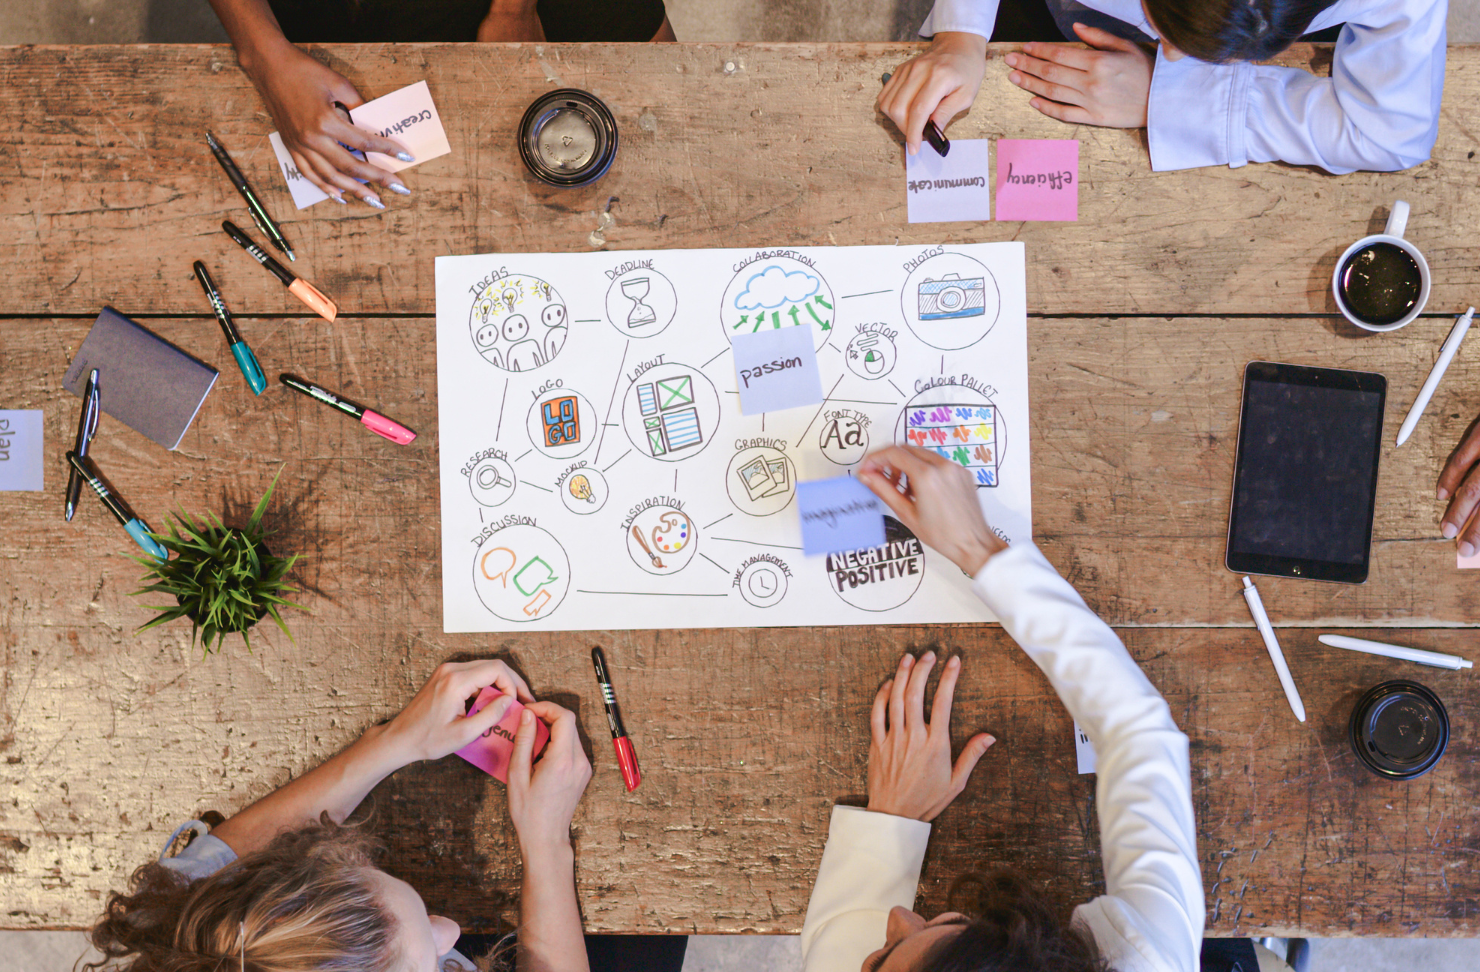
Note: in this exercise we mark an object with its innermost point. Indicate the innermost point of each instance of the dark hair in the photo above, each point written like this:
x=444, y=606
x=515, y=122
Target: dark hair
x=1011, y=927
x=307, y=902
x=1220, y=31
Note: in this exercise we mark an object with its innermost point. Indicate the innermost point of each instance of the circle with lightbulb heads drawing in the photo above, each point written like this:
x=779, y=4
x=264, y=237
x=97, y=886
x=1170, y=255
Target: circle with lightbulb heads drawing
x=584, y=491
x=518, y=322
x=641, y=302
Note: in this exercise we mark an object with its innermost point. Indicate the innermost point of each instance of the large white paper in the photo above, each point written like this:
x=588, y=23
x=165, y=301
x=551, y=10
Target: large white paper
x=596, y=471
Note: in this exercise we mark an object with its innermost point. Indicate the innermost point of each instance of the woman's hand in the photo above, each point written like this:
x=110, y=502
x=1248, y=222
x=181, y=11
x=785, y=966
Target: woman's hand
x=300, y=94
x=511, y=20
x=938, y=84
x=1109, y=86
x=936, y=499
x=909, y=760
x=1460, y=479
x=542, y=799
x=435, y=722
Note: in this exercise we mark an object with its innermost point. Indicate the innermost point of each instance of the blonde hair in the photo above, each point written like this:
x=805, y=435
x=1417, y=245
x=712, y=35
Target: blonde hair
x=307, y=902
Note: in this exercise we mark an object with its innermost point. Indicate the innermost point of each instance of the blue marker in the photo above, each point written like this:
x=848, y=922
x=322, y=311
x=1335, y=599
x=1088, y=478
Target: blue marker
x=136, y=527
x=245, y=359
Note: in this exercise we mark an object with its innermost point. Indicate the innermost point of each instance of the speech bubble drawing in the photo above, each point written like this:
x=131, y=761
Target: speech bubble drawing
x=536, y=574
x=503, y=565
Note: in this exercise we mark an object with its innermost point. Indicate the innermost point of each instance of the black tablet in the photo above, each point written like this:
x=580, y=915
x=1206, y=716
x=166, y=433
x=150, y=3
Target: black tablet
x=1305, y=480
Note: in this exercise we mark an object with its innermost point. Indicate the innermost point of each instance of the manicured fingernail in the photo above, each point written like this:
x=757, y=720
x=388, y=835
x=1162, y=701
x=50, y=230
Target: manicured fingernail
x=1449, y=530
x=340, y=199
x=397, y=187
x=405, y=157
x=373, y=200
x=1441, y=493
x=1466, y=549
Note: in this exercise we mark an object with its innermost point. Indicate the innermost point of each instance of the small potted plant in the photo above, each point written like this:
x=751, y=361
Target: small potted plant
x=223, y=579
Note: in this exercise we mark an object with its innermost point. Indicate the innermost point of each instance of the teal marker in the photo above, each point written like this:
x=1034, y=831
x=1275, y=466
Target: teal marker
x=136, y=527
x=245, y=359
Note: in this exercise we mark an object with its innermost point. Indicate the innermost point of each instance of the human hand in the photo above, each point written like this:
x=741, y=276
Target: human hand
x=542, y=799
x=937, y=85
x=936, y=499
x=435, y=722
x=1109, y=86
x=511, y=20
x=1460, y=479
x=300, y=94
x=909, y=760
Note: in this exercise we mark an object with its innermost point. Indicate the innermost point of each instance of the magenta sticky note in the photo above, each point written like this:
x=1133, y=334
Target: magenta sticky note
x=1038, y=179
x=492, y=751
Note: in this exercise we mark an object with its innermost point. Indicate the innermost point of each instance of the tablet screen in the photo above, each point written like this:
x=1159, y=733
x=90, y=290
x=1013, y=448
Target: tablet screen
x=1306, y=477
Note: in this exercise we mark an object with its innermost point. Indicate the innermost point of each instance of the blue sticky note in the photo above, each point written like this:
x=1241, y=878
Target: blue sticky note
x=21, y=467
x=839, y=514
x=776, y=369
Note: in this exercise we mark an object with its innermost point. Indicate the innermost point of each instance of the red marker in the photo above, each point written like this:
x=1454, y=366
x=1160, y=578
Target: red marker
x=626, y=755
x=374, y=421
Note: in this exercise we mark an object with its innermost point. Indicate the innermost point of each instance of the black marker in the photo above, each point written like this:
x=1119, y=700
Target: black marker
x=387, y=427
x=87, y=427
x=297, y=286
x=245, y=359
x=136, y=527
x=254, y=206
x=933, y=134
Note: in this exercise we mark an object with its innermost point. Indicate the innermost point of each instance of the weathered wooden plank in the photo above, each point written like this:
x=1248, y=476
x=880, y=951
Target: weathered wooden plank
x=109, y=193
x=746, y=736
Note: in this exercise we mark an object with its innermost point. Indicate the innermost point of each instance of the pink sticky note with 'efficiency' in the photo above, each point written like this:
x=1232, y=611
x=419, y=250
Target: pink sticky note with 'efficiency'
x=1038, y=179
x=492, y=751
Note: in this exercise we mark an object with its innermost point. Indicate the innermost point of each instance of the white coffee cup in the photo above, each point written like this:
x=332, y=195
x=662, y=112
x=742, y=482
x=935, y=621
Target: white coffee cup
x=1392, y=233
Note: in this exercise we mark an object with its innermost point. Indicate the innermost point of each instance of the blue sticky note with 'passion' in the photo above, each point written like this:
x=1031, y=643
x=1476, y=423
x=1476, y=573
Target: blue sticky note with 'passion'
x=839, y=514
x=776, y=368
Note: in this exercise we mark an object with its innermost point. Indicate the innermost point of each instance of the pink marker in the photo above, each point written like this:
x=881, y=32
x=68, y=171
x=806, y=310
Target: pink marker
x=374, y=421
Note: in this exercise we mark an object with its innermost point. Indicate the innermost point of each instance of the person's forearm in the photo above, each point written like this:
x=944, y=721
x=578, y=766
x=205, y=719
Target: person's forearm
x=337, y=786
x=550, y=934
x=253, y=30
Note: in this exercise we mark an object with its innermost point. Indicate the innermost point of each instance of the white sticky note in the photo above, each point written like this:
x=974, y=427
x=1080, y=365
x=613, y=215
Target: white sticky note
x=21, y=467
x=305, y=193
x=407, y=117
x=1084, y=751
x=776, y=369
x=1461, y=561
x=949, y=189
x=839, y=514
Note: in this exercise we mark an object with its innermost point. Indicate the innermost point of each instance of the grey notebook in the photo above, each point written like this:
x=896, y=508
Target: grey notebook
x=144, y=381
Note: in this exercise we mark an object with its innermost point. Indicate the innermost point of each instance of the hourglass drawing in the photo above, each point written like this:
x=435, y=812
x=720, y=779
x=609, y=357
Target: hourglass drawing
x=636, y=290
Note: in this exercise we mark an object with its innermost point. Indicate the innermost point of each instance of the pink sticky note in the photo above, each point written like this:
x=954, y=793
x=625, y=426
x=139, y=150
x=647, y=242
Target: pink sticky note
x=492, y=751
x=1038, y=179
x=407, y=117
x=1461, y=561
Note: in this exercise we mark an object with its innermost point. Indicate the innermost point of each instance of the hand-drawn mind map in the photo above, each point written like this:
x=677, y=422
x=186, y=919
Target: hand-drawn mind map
x=596, y=471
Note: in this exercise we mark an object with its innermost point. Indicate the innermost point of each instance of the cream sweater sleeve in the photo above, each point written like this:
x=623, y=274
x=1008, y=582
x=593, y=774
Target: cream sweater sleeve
x=1151, y=919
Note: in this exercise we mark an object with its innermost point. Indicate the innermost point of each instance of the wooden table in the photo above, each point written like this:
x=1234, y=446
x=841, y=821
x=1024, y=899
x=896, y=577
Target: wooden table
x=1143, y=314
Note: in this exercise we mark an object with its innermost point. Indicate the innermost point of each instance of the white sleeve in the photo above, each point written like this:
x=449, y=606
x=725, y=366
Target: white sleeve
x=969, y=16
x=870, y=864
x=1379, y=110
x=1152, y=916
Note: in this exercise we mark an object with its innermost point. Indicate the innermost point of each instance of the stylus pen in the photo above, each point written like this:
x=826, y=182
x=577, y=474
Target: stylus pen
x=1431, y=383
x=87, y=427
x=626, y=754
x=134, y=526
x=1433, y=659
x=1261, y=621
x=254, y=205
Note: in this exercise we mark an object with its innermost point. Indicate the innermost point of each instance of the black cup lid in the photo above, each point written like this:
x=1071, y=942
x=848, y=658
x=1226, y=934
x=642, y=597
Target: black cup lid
x=1399, y=729
x=568, y=138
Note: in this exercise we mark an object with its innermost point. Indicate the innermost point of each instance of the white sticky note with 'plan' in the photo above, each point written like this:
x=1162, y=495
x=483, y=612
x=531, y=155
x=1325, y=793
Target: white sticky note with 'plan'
x=21, y=468
x=407, y=117
x=1084, y=751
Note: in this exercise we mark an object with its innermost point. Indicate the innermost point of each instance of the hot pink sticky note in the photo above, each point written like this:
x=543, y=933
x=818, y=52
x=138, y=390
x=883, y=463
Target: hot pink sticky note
x=1038, y=179
x=492, y=751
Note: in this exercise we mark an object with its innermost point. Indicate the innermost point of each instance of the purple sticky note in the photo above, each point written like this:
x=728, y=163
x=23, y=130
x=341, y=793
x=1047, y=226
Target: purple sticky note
x=839, y=514
x=1038, y=179
x=776, y=369
x=950, y=188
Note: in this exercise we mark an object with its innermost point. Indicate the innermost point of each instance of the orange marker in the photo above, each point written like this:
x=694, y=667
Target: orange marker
x=297, y=286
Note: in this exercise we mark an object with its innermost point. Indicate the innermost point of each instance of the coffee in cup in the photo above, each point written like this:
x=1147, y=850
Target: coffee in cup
x=1382, y=282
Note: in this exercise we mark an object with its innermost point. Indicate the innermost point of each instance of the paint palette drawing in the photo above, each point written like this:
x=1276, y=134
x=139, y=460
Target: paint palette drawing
x=965, y=434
